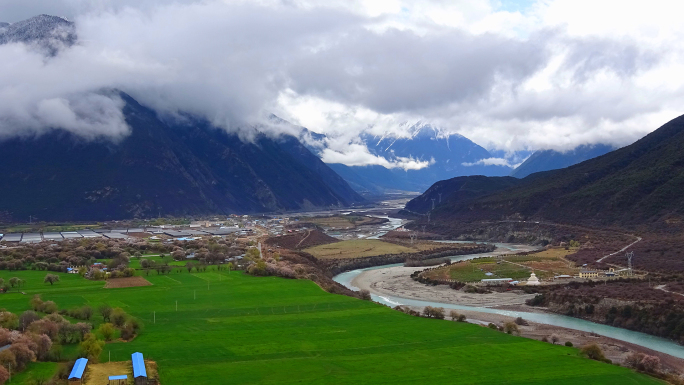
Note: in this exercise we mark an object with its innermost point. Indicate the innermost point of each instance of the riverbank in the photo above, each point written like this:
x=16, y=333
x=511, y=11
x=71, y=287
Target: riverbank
x=393, y=285
x=614, y=349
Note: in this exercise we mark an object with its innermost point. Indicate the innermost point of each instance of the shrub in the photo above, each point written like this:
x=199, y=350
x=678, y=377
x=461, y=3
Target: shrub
x=493, y=326
x=365, y=295
x=521, y=321
x=433, y=312
x=554, y=338
x=594, y=352
x=49, y=307
x=4, y=375
x=569, y=344
x=9, y=320
x=454, y=315
x=36, y=303
x=462, y=318
x=511, y=328
x=91, y=347
x=650, y=364
x=118, y=317
x=87, y=312
x=107, y=331
x=544, y=339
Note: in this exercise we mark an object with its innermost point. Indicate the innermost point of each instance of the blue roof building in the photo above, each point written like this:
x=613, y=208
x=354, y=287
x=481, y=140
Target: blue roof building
x=76, y=376
x=118, y=380
x=139, y=372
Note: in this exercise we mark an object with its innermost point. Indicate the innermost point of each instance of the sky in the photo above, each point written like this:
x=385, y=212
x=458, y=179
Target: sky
x=509, y=75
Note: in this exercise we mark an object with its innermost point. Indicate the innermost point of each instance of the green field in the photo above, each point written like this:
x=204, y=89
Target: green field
x=245, y=330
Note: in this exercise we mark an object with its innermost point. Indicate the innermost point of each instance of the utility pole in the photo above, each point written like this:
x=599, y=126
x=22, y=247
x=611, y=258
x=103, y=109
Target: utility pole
x=433, y=203
x=428, y=218
x=440, y=197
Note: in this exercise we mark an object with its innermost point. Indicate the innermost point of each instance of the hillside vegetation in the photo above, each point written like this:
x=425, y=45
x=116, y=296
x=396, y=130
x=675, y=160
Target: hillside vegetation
x=637, y=184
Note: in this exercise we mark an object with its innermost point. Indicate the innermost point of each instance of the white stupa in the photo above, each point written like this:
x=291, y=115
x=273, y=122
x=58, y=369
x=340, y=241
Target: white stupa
x=533, y=280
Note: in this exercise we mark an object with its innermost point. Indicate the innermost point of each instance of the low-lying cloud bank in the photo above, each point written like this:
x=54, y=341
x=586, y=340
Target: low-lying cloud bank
x=539, y=77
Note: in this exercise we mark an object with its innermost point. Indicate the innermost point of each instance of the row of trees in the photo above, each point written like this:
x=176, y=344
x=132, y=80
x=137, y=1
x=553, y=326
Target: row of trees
x=84, y=252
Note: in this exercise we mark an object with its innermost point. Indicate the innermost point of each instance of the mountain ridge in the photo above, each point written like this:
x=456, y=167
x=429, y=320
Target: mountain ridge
x=546, y=160
x=161, y=168
x=639, y=184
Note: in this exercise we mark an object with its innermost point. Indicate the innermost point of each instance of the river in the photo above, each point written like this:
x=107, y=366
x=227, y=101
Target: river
x=645, y=340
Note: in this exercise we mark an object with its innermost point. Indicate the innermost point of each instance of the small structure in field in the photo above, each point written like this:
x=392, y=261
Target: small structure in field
x=533, y=280
x=118, y=380
x=496, y=281
x=139, y=372
x=76, y=376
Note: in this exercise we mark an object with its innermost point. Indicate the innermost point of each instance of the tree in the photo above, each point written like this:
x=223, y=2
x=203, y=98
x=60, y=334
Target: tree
x=9, y=320
x=189, y=266
x=23, y=354
x=91, y=347
x=82, y=271
x=4, y=375
x=7, y=358
x=51, y=278
x=433, y=312
x=27, y=318
x=554, y=338
x=87, y=312
x=107, y=331
x=43, y=345
x=105, y=311
x=178, y=255
x=14, y=281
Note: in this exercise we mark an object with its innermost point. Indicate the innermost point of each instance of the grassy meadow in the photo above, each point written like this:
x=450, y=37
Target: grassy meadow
x=245, y=330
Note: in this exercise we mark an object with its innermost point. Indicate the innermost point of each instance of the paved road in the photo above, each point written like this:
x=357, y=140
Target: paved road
x=619, y=251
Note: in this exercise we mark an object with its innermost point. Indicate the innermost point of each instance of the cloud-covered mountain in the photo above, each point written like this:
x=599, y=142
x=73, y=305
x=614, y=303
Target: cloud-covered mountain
x=165, y=168
x=49, y=33
x=415, y=162
x=546, y=160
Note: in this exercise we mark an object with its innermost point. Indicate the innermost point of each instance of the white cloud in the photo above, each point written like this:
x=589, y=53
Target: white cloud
x=492, y=162
x=556, y=75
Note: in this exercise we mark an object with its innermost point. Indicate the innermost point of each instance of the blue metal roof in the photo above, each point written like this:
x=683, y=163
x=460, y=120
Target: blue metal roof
x=121, y=377
x=138, y=365
x=79, y=368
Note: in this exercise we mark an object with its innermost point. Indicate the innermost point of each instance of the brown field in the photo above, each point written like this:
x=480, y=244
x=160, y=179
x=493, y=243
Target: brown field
x=342, y=222
x=301, y=240
x=357, y=248
x=116, y=283
x=98, y=374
